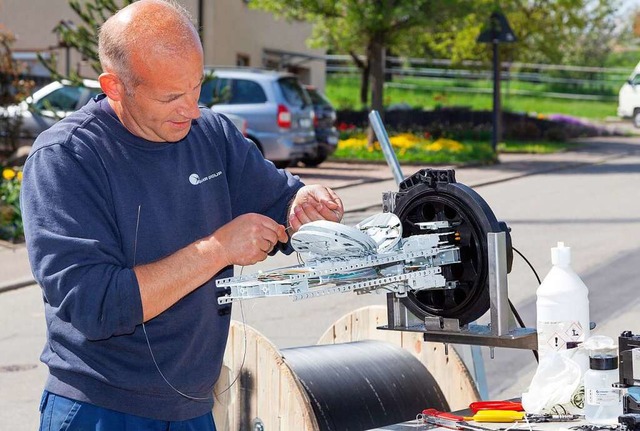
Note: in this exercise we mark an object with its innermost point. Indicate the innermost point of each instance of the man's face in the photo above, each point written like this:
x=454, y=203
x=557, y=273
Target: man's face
x=161, y=107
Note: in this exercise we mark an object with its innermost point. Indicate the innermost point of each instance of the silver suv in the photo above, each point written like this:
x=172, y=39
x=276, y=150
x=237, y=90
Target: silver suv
x=278, y=110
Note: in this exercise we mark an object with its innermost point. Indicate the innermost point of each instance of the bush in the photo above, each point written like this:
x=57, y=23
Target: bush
x=11, y=228
x=464, y=124
x=13, y=89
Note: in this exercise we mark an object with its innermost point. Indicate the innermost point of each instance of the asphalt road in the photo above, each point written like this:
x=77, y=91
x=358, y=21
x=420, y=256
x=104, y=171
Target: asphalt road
x=592, y=207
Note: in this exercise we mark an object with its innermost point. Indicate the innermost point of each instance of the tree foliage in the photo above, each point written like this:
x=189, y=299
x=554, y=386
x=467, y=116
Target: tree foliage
x=14, y=88
x=548, y=31
x=363, y=29
x=83, y=36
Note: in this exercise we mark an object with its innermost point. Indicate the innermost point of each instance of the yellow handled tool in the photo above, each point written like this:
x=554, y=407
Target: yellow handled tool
x=496, y=416
x=501, y=416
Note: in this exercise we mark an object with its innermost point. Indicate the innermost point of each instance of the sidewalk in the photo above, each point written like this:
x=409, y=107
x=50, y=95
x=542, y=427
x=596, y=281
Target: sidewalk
x=590, y=151
x=376, y=179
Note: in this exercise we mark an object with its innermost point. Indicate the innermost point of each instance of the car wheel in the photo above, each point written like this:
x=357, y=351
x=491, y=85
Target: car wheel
x=314, y=161
x=636, y=118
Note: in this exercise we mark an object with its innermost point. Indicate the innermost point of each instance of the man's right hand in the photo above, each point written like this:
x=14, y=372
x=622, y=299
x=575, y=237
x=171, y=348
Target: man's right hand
x=249, y=238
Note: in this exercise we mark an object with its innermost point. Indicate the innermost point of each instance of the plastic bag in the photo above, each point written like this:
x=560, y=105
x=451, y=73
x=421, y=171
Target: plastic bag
x=557, y=386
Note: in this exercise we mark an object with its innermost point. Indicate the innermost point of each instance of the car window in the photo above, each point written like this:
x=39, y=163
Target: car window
x=63, y=99
x=245, y=91
x=293, y=92
x=206, y=92
x=231, y=91
x=209, y=92
x=317, y=98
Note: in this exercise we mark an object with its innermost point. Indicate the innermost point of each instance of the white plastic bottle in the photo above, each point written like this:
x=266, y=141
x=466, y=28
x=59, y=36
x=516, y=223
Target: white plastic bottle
x=562, y=305
x=602, y=401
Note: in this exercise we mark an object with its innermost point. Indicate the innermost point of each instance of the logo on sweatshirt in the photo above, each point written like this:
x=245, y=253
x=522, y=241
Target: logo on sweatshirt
x=195, y=178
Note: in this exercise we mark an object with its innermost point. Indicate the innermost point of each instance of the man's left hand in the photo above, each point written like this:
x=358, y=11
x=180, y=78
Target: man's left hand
x=312, y=203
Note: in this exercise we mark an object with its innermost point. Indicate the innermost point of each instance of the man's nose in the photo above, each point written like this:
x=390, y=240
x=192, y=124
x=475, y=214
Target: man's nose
x=190, y=108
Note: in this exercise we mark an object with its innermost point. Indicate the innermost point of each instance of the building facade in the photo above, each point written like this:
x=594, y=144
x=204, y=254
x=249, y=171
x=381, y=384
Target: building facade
x=232, y=35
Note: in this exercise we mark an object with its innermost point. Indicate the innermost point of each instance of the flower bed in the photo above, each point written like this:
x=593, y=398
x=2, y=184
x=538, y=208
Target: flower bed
x=414, y=148
x=10, y=216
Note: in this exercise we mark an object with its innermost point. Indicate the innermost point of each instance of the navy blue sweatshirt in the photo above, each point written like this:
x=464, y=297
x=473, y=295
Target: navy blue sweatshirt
x=97, y=201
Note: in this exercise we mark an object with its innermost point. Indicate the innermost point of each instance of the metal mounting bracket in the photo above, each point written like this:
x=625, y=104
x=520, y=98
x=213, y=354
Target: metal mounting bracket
x=500, y=332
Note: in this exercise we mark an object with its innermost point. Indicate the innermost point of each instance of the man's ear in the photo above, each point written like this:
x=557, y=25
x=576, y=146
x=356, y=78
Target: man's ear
x=111, y=86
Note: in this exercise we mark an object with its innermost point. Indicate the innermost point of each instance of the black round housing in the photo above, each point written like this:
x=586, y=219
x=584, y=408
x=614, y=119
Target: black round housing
x=434, y=195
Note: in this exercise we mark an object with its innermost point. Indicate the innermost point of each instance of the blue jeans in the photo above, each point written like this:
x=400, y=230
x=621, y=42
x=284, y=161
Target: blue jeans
x=58, y=413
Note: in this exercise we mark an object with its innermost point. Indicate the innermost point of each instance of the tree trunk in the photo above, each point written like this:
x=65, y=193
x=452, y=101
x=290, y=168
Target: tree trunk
x=364, y=85
x=376, y=60
x=365, y=68
x=375, y=55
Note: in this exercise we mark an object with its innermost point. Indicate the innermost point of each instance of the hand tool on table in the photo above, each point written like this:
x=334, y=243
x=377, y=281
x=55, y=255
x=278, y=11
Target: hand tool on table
x=496, y=405
x=514, y=416
x=512, y=411
x=495, y=416
x=447, y=420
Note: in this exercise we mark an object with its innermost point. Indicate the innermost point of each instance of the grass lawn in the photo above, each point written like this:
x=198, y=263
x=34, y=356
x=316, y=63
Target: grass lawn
x=533, y=147
x=343, y=91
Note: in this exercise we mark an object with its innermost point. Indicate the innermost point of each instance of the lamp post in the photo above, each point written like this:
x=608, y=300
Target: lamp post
x=498, y=32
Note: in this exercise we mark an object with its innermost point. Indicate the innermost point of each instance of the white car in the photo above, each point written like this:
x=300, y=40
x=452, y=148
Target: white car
x=50, y=104
x=629, y=98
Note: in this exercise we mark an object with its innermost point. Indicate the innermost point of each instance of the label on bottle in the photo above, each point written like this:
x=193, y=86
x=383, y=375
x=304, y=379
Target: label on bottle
x=635, y=363
x=553, y=336
x=603, y=397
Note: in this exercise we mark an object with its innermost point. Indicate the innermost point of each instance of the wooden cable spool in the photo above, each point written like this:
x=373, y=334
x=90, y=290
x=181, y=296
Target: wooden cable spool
x=269, y=393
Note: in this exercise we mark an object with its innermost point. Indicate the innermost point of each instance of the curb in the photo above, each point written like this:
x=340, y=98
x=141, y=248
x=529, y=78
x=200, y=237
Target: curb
x=17, y=284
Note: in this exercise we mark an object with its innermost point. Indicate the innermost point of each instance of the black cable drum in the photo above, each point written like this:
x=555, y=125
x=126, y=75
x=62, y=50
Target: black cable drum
x=363, y=384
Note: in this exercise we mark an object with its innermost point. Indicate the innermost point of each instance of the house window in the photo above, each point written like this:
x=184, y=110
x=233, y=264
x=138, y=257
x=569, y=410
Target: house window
x=242, y=60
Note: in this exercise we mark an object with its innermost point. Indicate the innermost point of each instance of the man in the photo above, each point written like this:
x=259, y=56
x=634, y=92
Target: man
x=133, y=206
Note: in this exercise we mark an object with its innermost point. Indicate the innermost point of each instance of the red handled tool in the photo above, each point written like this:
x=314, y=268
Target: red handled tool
x=496, y=405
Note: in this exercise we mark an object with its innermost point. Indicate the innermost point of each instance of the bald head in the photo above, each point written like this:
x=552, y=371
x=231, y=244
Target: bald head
x=142, y=31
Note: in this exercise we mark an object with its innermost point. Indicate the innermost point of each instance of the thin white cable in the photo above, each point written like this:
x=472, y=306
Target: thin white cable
x=164, y=378
x=144, y=328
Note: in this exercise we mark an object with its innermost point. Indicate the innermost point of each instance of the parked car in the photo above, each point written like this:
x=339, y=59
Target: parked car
x=50, y=104
x=324, y=124
x=629, y=97
x=277, y=108
x=239, y=122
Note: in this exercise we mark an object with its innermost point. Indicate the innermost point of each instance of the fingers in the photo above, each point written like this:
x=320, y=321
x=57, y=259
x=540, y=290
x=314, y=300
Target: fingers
x=249, y=238
x=281, y=234
x=315, y=203
x=335, y=204
x=273, y=233
x=260, y=244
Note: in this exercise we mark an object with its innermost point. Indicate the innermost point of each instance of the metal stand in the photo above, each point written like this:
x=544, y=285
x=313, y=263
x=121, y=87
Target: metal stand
x=500, y=332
